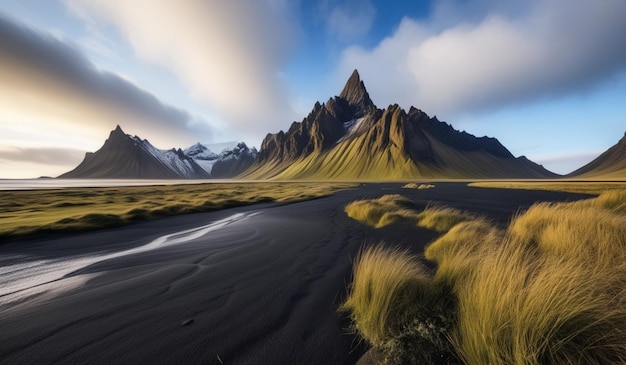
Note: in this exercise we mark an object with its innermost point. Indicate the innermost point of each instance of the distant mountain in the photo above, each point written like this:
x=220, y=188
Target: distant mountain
x=126, y=157
x=232, y=160
x=348, y=137
x=609, y=165
x=129, y=157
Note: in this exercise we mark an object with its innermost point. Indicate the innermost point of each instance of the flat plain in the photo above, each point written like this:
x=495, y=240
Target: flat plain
x=254, y=284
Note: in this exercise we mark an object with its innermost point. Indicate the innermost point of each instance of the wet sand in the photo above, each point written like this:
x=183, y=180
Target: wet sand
x=253, y=285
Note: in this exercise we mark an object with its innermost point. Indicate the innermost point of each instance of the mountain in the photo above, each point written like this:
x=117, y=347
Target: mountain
x=126, y=157
x=609, y=165
x=233, y=159
x=129, y=157
x=348, y=137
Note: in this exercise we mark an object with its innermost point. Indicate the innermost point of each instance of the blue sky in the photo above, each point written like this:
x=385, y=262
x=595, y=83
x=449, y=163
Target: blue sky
x=545, y=77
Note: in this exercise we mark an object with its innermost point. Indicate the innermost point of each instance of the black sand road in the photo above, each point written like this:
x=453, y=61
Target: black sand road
x=254, y=285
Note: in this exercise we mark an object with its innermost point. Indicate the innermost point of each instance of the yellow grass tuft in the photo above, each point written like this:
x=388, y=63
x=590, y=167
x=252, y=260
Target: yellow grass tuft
x=458, y=251
x=418, y=186
x=395, y=306
x=383, y=211
x=441, y=219
x=549, y=289
x=517, y=306
x=391, y=209
x=387, y=284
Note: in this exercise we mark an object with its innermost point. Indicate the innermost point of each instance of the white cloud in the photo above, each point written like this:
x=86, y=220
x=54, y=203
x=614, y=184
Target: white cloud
x=227, y=53
x=494, y=54
x=349, y=19
x=51, y=86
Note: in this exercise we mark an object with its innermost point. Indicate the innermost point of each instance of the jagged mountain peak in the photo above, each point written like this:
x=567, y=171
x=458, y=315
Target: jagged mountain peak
x=348, y=137
x=198, y=146
x=200, y=151
x=123, y=156
x=355, y=93
x=117, y=134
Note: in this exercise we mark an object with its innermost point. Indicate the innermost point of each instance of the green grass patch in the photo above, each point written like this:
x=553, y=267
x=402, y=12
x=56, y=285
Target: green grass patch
x=76, y=209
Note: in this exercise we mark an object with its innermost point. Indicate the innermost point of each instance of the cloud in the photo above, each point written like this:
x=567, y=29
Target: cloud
x=50, y=85
x=44, y=155
x=348, y=19
x=229, y=54
x=494, y=53
x=32, y=162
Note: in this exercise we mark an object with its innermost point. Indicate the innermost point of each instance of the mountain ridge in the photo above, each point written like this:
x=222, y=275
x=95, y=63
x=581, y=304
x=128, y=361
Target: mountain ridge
x=123, y=156
x=348, y=137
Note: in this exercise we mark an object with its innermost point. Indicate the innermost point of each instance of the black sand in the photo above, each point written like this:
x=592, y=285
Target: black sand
x=263, y=290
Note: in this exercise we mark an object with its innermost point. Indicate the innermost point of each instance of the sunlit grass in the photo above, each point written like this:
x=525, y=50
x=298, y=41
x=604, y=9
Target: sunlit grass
x=37, y=211
x=548, y=289
x=583, y=187
x=394, y=208
x=458, y=251
x=393, y=300
x=418, y=186
x=387, y=283
x=553, y=291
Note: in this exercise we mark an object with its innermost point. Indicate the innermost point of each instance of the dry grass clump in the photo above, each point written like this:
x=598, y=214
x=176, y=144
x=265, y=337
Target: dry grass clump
x=549, y=289
x=391, y=209
x=37, y=211
x=395, y=307
x=583, y=231
x=517, y=306
x=418, y=186
x=442, y=219
x=383, y=211
x=387, y=284
x=458, y=252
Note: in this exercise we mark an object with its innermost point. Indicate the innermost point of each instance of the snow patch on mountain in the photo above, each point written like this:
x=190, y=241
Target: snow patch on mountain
x=206, y=158
x=200, y=152
x=351, y=127
x=173, y=159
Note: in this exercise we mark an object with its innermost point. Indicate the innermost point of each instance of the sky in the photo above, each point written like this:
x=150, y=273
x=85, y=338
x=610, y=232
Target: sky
x=547, y=78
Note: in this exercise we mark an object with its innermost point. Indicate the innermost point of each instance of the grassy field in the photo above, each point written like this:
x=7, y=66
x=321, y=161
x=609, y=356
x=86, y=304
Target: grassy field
x=39, y=211
x=548, y=289
x=583, y=187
